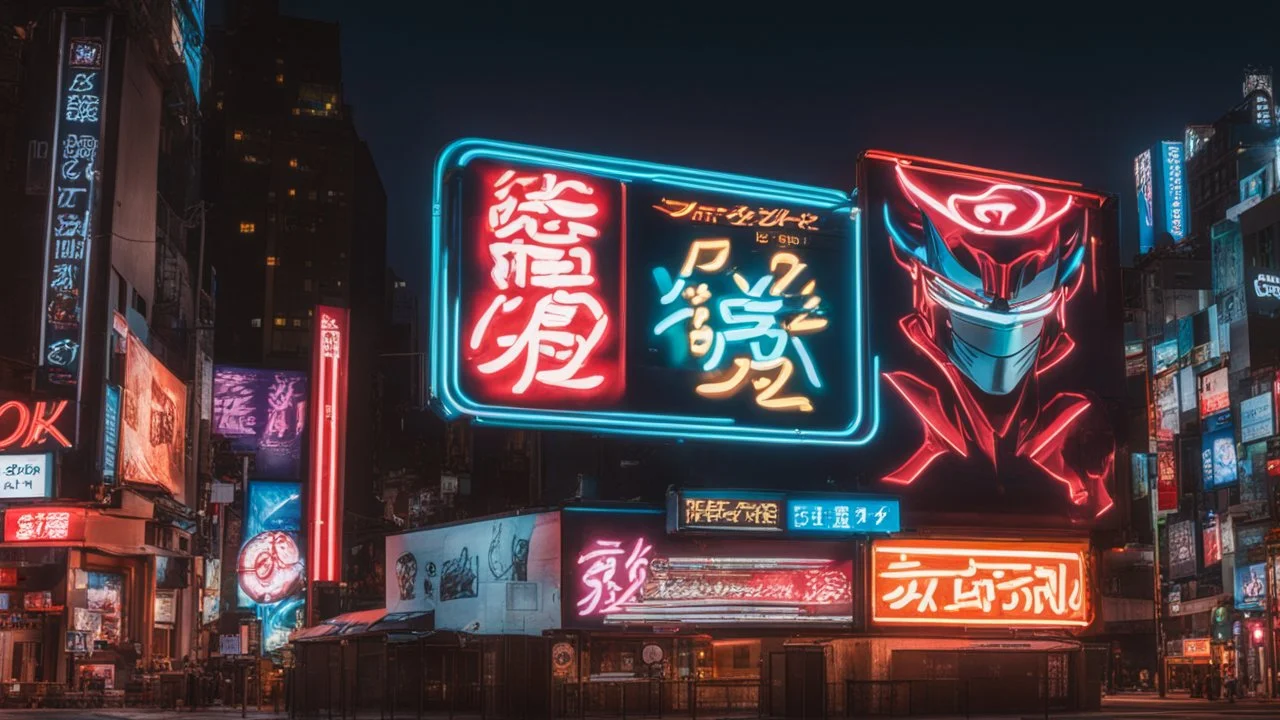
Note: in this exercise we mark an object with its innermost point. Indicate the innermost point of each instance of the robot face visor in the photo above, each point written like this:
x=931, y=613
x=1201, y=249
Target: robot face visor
x=994, y=344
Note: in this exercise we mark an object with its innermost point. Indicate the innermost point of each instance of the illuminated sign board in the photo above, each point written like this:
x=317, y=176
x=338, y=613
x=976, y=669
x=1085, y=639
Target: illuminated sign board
x=1163, y=355
x=110, y=433
x=270, y=566
x=70, y=221
x=1264, y=291
x=262, y=412
x=1195, y=647
x=1167, y=493
x=44, y=524
x=621, y=569
x=329, y=362
x=1146, y=189
x=984, y=279
x=1174, y=190
x=36, y=425
x=617, y=296
x=851, y=515
x=962, y=582
x=188, y=39
x=26, y=476
x=751, y=512
x=153, y=424
x=1182, y=549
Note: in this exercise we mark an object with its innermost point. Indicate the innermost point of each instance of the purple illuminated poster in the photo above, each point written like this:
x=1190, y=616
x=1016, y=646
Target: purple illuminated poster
x=263, y=412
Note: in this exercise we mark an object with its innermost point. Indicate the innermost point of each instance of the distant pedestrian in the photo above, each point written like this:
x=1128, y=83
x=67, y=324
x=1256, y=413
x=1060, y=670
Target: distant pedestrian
x=1230, y=684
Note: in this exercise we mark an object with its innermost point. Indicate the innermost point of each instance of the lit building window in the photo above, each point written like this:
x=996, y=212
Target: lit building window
x=238, y=135
x=247, y=227
x=297, y=111
x=297, y=322
x=256, y=322
x=293, y=192
x=279, y=78
x=293, y=162
x=279, y=321
x=272, y=261
x=219, y=105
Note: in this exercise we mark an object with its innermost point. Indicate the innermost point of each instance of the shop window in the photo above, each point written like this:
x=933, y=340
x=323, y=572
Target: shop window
x=102, y=616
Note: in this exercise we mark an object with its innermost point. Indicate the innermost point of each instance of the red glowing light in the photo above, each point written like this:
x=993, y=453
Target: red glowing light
x=544, y=325
x=56, y=524
x=329, y=419
x=33, y=424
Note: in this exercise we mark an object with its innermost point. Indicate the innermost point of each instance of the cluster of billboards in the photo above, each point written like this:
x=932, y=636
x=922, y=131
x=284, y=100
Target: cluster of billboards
x=595, y=568
x=621, y=297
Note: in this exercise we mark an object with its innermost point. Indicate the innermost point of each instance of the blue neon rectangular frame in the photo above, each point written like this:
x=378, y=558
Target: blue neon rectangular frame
x=447, y=393
x=820, y=516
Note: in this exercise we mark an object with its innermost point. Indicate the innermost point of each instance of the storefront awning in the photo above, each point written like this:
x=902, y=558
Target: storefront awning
x=346, y=624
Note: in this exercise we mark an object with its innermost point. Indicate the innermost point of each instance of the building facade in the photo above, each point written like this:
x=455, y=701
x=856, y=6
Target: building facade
x=1202, y=353
x=103, y=343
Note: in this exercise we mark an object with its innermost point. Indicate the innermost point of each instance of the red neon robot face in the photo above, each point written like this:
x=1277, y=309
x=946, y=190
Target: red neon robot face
x=994, y=260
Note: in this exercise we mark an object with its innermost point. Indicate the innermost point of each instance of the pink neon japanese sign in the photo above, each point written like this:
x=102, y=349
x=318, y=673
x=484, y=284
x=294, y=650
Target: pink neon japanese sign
x=545, y=323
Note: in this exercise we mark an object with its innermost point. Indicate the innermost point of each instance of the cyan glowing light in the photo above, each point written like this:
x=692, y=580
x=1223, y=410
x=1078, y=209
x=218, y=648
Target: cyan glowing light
x=446, y=387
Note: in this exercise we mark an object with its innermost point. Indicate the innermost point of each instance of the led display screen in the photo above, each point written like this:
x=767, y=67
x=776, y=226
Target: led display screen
x=263, y=412
x=499, y=576
x=1166, y=477
x=627, y=297
x=271, y=567
x=1214, y=395
x=624, y=569
x=974, y=582
x=998, y=304
x=1146, y=190
x=153, y=422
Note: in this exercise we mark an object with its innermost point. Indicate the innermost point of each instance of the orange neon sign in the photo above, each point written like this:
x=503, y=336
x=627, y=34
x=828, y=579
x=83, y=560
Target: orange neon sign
x=970, y=582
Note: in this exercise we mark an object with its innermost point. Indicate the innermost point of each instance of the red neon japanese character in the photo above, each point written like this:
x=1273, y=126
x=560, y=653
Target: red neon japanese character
x=605, y=594
x=547, y=325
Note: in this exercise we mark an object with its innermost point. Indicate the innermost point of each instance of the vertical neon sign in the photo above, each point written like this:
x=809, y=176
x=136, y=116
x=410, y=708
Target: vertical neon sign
x=77, y=129
x=328, y=447
x=1175, y=191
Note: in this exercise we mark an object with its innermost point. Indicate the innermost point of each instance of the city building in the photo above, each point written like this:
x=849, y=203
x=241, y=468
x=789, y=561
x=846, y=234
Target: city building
x=102, y=339
x=297, y=228
x=1201, y=354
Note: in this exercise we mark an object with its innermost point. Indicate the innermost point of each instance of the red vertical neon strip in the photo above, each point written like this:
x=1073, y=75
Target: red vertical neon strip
x=328, y=411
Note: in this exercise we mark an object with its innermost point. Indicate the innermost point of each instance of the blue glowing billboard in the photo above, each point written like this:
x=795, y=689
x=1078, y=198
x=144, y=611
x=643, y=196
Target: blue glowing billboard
x=1173, y=187
x=617, y=296
x=1218, y=458
x=110, y=434
x=844, y=515
x=271, y=565
x=1146, y=191
x=263, y=412
x=1251, y=586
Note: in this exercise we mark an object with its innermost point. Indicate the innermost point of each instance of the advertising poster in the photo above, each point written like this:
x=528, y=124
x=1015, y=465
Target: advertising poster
x=1253, y=475
x=497, y=576
x=1187, y=389
x=1218, y=458
x=105, y=608
x=1251, y=586
x=1164, y=355
x=26, y=476
x=1212, y=541
x=153, y=427
x=1227, y=534
x=1144, y=183
x=263, y=412
x=1166, y=478
x=270, y=568
x=1228, y=259
x=1214, y=396
x=625, y=570
x=1182, y=549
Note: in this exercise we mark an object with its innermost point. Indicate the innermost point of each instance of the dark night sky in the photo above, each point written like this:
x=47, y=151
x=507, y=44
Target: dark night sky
x=765, y=105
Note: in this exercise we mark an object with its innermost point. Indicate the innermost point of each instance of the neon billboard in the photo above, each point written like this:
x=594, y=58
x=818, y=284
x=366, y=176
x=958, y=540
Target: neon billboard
x=623, y=570
x=616, y=296
x=270, y=568
x=263, y=412
x=329, y=361
x=986, y=278
x=963, y=582
x=70, y=221
x=44, y=524
x=36, y=425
